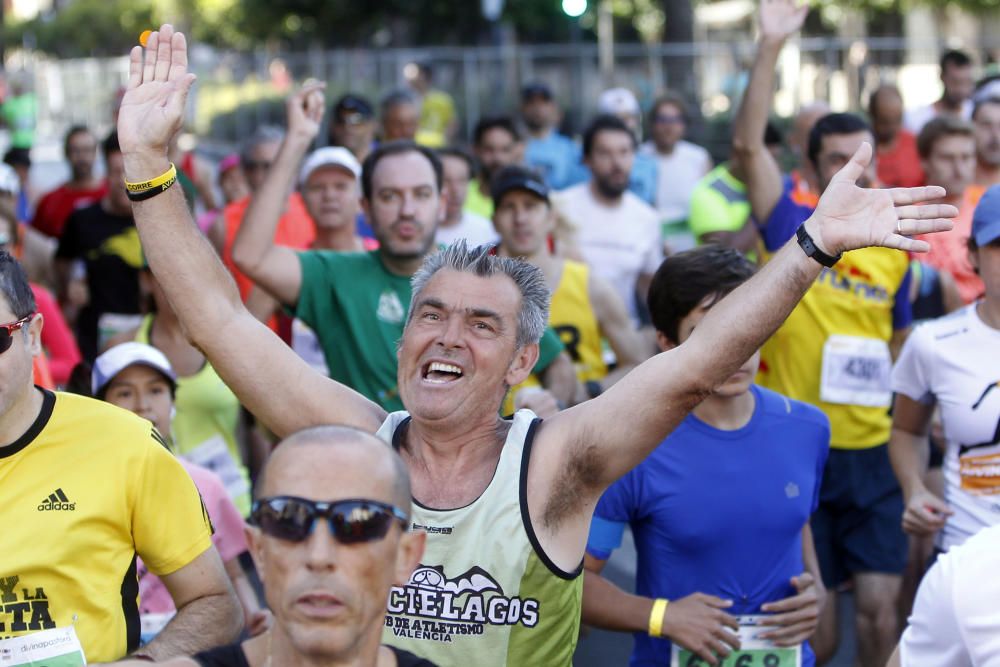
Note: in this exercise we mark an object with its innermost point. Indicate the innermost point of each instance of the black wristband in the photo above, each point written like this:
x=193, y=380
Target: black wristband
x=150, y=193
x=812, y=250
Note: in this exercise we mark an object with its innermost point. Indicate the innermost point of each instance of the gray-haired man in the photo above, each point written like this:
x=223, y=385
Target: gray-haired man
x=506, y=504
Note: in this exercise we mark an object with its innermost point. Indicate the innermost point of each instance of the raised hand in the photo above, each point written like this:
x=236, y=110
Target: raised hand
x=152, y=110
x=850, y=217
x=780, y=19
x=305, y=111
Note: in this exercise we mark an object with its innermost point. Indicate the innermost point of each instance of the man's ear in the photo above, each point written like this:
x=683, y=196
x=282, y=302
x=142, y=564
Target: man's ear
x=35, y=334
x=522, y=364
x=411, y=550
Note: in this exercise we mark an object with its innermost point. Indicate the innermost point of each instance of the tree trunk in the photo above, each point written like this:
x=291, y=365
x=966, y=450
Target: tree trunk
x=679, y=29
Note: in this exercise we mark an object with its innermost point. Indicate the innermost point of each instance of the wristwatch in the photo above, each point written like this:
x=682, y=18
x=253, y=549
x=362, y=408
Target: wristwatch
x=812, y=250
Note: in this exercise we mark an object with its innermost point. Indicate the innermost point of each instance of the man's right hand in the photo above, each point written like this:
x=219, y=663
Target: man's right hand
x=698, y=624
x=152, y=110
x=925, y=513
x=305, y=112
x=780, y=19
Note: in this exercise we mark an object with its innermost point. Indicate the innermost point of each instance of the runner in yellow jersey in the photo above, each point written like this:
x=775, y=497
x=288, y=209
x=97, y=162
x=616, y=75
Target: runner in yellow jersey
x=584, y=308
x=835, y=351
x=85, y=488
x=506, y=504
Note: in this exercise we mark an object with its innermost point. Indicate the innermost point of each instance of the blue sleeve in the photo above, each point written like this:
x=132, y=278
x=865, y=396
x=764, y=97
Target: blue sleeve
x=784, y=221
x=605, y=537
x=902, y=310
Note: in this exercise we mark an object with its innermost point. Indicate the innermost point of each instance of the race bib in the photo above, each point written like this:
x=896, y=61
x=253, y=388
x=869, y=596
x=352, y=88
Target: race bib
x=754, y=651
x=214, y=455
x=58, y=647
x=856, y=371
x=151, y=625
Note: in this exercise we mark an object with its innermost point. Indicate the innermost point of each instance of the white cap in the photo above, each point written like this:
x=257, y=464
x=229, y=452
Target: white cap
x=9, y=182
x=120, y=357
x=331, y=156
x=618, y=101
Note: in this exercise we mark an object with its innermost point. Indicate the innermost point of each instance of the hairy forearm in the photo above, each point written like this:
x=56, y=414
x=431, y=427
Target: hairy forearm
x=608, y=607
x=909, y=454
x=213, y=620
x=199, y=288
x=256, y=235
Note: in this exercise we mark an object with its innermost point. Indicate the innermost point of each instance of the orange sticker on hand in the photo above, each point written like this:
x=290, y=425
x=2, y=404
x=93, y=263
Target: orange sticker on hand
x=144, y=37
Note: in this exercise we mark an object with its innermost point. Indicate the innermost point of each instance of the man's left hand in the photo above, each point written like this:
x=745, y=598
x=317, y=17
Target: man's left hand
x=796, y=617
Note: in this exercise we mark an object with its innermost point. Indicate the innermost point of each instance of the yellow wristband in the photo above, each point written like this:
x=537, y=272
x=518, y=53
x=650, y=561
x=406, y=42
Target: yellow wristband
x=656, y=617
x=143, y=186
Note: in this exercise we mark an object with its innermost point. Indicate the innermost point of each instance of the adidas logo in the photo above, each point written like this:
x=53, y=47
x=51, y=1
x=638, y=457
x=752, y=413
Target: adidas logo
x=57, y=500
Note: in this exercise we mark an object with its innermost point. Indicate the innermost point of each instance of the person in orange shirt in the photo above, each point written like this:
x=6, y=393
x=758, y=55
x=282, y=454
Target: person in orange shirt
x=947, y=148
x=898, y=160
x=295, y=228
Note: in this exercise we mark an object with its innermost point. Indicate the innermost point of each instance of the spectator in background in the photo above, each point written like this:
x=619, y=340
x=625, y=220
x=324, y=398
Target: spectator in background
x=680, y=165
x=232, y=181
x=20, y=160
x=959, y=81
x=986, y=121
x=82, y=189
x=19, y=111
x=458, y=223
x=33, y=250
x=616, y=232
x=898, y=159
x=496, y=143
x=400, y=116
x=644, y=179
x=60, y=353
x=140, y=379
x=438, y=120
x=295, y=228
x=720, y=210
x=947, y=147
x=102, y=239
x=555, y=156
x=352, y=125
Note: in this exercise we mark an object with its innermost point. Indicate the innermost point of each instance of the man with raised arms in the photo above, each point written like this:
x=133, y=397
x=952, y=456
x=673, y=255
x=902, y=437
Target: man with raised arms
x=506, y=504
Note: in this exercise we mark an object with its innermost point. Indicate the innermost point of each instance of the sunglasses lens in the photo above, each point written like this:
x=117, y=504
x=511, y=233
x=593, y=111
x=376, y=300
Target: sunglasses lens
x=285, y=519
x=6, y=340
x=359, y=522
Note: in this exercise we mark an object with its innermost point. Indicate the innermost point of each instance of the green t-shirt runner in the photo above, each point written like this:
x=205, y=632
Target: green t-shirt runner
x=357, y=308
x=19, y=115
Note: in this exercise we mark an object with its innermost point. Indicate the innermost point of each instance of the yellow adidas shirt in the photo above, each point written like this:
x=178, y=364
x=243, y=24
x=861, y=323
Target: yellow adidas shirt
x=87, y=488
x=832, y=351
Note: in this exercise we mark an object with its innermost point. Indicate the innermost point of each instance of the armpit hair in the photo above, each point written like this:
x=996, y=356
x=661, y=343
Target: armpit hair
x=580, y=475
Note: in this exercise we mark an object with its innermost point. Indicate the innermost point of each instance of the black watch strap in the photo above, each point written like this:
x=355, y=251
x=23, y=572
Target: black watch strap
x=812, y=250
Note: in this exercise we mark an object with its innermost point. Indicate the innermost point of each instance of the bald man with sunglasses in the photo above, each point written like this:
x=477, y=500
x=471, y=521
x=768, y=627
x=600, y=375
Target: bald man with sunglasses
x=330, y=536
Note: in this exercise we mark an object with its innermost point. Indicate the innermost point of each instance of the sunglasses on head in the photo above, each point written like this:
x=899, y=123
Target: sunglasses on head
x=7, y=332
x=351, y=521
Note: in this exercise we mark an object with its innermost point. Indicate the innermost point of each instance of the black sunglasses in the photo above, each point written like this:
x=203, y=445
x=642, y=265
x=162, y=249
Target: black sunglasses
x=7, y=332
x=351, y=521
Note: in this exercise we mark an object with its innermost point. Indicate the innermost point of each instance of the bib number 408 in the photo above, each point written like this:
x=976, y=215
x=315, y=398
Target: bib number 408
x=753, y=658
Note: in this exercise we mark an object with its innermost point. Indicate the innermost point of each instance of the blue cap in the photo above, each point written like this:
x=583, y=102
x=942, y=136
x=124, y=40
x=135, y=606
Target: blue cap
x=986, y=218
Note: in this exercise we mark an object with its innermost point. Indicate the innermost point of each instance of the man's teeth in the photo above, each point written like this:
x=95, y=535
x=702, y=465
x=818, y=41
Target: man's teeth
x=444, y=368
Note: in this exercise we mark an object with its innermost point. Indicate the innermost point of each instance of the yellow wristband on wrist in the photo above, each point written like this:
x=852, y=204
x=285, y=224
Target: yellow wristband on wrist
x=656, y=617
x=143, y=186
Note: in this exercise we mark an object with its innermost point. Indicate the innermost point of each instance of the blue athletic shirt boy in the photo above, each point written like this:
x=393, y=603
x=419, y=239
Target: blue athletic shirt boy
x=720, y=512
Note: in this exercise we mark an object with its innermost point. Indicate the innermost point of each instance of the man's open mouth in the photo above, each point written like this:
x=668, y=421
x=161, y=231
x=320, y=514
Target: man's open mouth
x=441, y=373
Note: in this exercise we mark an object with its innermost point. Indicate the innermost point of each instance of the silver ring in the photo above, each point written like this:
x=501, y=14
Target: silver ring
x=899, y=226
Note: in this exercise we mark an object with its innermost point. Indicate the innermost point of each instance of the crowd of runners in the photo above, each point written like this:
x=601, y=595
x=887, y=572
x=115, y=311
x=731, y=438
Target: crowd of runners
x=368, y=393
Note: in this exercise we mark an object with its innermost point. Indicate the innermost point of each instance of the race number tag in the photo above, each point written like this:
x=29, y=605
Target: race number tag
x=754, y=651
x=58, y=647
x=856, y=371
x=151, y=625
x=214, y=455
